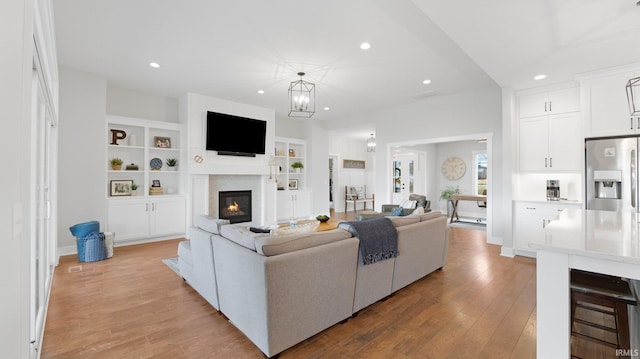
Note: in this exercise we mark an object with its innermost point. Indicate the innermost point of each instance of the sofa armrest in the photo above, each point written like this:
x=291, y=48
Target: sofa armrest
x=389, y=207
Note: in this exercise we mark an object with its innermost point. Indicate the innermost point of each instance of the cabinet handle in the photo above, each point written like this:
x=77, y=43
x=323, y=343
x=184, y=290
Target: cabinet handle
x=550, y=162
x=531, y=207
x=153, y=206
x=545, y=106
x=550, y=106
x=543, y=223
x=545, y=162
x=146, y=207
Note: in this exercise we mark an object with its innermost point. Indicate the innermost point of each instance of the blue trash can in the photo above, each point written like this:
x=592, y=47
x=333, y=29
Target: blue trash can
x=91, y=248
x=84, y=229
x=90, y=242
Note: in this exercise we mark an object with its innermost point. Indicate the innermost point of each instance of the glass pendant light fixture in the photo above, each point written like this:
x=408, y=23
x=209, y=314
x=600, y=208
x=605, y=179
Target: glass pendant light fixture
x=371, y=144
x=302, y=98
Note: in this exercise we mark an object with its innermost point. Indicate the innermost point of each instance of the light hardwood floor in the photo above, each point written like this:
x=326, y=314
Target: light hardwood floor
x=481, y=305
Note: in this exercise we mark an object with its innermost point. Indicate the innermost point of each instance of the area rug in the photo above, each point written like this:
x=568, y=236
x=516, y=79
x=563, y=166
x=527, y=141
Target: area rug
x=468, y=224
x=173, y=264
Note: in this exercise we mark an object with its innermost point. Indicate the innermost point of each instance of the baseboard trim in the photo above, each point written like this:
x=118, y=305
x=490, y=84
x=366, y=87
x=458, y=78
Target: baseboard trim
x=73, y=250
x=507, y=252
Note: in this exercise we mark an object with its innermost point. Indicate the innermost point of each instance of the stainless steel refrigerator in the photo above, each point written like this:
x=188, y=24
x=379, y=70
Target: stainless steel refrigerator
x=612, y=174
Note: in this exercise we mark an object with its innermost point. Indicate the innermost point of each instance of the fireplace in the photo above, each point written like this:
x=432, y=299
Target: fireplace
x=234, y=206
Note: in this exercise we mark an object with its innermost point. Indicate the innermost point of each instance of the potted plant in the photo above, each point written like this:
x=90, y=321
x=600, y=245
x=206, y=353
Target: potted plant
x=134, y=189
x=172, y=163
x=445, y=195
x=116, y=163
x=297, y=166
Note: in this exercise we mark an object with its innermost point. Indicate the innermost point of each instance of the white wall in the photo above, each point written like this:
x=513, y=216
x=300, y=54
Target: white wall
x=85, y=99
x=463, y=150
x=292, y=127
x=318, y=172
x=82, y=152
x=127, y=103
x=350, y=149
x=459, y=115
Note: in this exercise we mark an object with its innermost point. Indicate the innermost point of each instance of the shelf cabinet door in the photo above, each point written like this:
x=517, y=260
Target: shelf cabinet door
x=564, y=101
x=302, y=204
x=534, y=144
x=532, y=105
x=565, y=142
x=167, y=216
x=608, y=111
x=128, y=219
x=528, y=227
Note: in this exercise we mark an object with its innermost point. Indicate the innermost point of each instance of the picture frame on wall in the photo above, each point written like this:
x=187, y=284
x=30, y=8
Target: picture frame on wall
x=293, y=184
x=162, y=142
x=120, y=188
x=359, y=164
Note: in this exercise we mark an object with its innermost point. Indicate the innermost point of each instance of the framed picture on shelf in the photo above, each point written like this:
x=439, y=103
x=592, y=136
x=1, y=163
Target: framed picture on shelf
x=292, y=153
x=293, y=184
x=120, y=188
x=162, y=142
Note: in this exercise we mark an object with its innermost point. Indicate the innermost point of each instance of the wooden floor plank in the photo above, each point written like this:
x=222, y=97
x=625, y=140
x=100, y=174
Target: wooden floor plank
x=133, y=306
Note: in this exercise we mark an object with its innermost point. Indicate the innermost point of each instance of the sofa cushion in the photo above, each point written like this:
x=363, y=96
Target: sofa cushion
x=274, y=245
x=241, y=235
x=209, y=224
x=403, y=221
x=418, y=211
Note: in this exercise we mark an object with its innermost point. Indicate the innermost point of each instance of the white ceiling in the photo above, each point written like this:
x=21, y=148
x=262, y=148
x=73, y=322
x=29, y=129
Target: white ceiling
x=231, y=49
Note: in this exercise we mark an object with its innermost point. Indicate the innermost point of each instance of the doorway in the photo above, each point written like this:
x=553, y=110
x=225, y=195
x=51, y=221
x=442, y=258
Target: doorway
x=409, y=174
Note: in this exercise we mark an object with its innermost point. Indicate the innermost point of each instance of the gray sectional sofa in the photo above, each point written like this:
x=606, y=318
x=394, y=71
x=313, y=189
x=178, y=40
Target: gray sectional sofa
x=281, y=290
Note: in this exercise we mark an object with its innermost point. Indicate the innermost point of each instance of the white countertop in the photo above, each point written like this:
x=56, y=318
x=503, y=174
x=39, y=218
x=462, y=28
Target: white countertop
x=559, y=202
x=597, y=234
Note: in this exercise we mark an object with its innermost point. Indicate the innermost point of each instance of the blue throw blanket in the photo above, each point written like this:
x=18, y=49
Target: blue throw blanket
x=378, y=238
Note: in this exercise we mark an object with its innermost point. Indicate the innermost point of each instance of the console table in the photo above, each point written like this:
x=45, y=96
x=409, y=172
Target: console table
x=596, y=241
x=463, y=197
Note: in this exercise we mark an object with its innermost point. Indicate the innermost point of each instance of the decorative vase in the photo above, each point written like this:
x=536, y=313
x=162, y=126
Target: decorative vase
x=172, y=168
x=116, y=167
x=134, y=192
x=297, y=170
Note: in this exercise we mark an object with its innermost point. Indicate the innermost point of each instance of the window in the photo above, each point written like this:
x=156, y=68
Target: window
x=480, y=171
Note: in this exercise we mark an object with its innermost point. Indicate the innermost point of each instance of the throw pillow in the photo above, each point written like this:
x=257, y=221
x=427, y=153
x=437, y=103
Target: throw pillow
x=419, y=210
x=397, y=212
x=408, y=204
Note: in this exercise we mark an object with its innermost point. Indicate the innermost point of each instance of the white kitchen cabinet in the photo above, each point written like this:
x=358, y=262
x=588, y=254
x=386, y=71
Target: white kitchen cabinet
x=607, y=110
x=293, y=205
x=550, y=143
x=142, y=218
x=549, y=103
x=530, y=219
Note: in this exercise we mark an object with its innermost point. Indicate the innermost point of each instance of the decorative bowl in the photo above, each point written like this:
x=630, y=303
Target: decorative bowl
x=322, y=218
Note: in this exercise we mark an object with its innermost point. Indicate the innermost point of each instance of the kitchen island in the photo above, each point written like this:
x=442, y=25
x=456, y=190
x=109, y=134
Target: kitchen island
x=595, y=241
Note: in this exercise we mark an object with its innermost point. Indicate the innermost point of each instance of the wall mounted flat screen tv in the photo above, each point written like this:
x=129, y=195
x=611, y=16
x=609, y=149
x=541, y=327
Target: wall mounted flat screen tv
x=235, y=135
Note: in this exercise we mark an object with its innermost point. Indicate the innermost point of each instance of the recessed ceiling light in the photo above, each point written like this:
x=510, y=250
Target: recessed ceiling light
x=426, y=82
x=540, y=77
x=155, y=65
x=326, y=108
x=365, y=46
x=261, y=92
